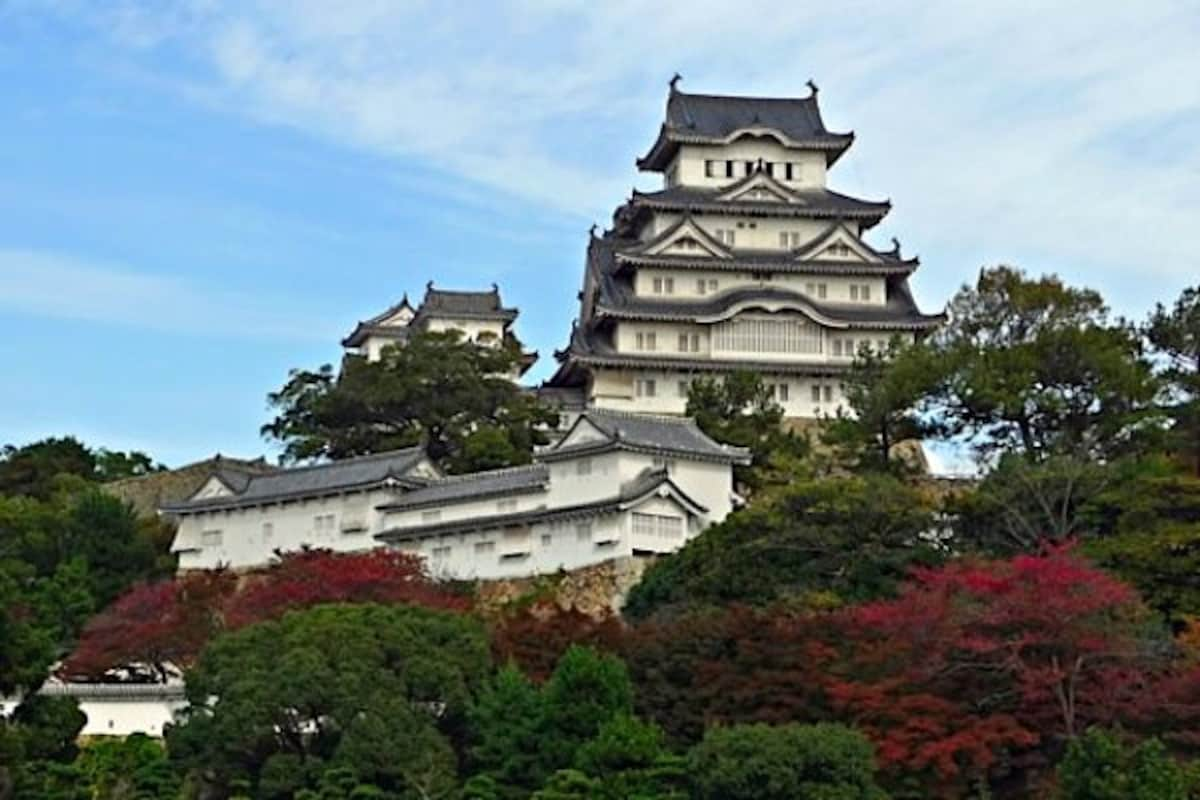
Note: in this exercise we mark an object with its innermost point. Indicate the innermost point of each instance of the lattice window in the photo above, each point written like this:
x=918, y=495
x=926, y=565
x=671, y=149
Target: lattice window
x=766, y=335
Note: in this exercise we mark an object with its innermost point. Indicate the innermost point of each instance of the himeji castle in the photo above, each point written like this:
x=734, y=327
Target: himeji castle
x=744, y=259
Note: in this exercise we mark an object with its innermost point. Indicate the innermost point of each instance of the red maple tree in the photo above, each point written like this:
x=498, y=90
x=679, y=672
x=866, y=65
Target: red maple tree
x=536, y=636
x=980, y=664
x=309, y=577
x=152, y=628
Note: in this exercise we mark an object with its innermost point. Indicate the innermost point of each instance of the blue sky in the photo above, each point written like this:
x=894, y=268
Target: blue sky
x=196, y=196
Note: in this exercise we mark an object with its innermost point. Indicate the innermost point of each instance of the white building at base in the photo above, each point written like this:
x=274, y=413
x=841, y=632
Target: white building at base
x=615, y=484
x=117, y=709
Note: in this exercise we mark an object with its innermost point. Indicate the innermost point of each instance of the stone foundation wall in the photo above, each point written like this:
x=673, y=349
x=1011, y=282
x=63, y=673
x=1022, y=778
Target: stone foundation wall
x=596, y=590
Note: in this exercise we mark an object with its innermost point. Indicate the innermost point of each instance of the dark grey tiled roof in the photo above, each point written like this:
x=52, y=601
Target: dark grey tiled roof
x=645, y=432
x=399, y=333
x=812, y=203
x=899, y=312
x=649, y=481
x=770, y=261
x=463, y=305
x=314, y=481
x=492, y=483
x=373, y=325
x=704, y=119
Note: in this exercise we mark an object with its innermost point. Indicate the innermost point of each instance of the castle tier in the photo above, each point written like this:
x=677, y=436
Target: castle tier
x=743, y=260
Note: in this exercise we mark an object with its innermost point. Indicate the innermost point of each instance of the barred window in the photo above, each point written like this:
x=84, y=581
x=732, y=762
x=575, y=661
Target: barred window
x=764, y=335
x=661, y=526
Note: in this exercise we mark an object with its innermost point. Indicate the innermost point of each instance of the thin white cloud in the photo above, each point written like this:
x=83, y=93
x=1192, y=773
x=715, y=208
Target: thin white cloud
x=60, y=286
x=1003, y=130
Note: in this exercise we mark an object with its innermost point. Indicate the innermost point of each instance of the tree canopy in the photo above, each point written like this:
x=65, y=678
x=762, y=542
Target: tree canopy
x=453, y=396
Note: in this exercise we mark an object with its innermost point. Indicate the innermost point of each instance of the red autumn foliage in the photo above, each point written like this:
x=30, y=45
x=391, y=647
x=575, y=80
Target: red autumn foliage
x=155, y=625
x=152, y=627
x=979, y=662
x=738, y=665
x=310, y=577
x=536, y=637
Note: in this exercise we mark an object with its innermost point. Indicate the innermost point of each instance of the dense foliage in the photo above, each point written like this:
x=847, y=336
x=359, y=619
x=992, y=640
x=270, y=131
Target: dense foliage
x=453, y=396
x=857, y=631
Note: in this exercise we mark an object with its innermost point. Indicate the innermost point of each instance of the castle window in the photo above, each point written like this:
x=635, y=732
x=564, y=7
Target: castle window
x=583, y=466
x=268, y=531
x=854, y=291
x=689, y=343
x=866, y=292
x=684, y=389
x=547, y=539
x=647, y=340
x=817, y=290
x=484, y=547
x=710, y=169
x=712, y=284
x=211, y=538
x=770, y=165
x=583, y=531
x=441, y=553
x=726, y=235
x=728, y=169
x=766, y=335
x=816, y=393
x=828, y=393
x=701, y=287
x=645, y=387
x=788, y=172
x=431, y=516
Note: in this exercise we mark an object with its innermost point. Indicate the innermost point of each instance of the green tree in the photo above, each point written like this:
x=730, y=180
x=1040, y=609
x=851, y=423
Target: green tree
x=1144, y=525
x=586, y=691
x=31, y=470
x=506, y=723
x=452, y=395
x=1175, y=335
x=131, y=768
x=819, y=542
x=1098, y=766
x=886, y=392
x=627, y=759
x=1037, y=367
x=376, y=689
x=759, y=762
x=739, y=409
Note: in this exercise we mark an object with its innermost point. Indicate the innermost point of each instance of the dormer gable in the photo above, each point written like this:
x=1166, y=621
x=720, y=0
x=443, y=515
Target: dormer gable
x=759, y=187
x=213, y=487
x=838, y=243
x=685, y=238
x=584, y=431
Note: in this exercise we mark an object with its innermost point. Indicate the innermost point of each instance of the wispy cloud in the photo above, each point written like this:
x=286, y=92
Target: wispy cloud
x=63, y=287
x=1069, y=133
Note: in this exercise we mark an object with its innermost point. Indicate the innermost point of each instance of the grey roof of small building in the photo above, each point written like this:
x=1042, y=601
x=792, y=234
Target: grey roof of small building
x=463, y=305
x=648, y=433
x=475, y=486
x=374, y=325
x=363, y=472
x=712, y=119
x=645, y=483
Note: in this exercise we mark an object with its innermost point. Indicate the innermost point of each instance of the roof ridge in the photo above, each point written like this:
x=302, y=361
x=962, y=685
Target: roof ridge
x=487, y=473
x=351, y=460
